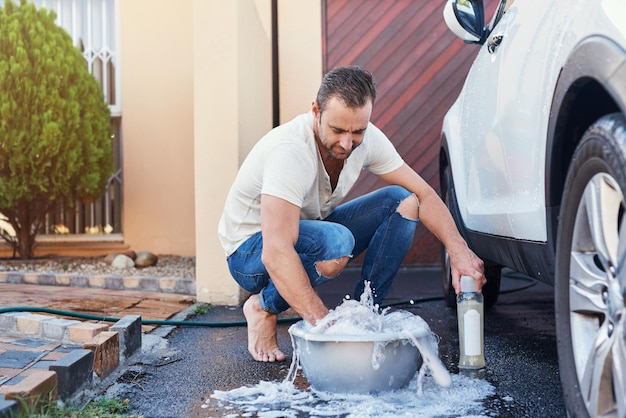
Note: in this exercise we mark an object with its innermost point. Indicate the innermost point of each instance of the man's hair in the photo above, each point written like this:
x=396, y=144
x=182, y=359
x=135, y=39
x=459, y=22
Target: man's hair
x=353, y=85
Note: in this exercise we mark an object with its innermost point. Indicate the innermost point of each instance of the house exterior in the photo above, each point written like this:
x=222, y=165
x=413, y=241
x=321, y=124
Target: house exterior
x=193, y=84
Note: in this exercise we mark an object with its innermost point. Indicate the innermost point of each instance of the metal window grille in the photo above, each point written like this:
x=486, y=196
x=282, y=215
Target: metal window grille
x=92, y=24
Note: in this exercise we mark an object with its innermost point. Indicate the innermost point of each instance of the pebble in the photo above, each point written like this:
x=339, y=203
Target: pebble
x=168, y=266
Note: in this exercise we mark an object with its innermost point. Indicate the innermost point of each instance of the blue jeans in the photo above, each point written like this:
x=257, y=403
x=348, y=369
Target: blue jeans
x=370, y=222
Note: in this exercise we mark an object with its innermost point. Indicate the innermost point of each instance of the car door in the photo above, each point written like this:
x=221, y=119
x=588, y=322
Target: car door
x=497, y=127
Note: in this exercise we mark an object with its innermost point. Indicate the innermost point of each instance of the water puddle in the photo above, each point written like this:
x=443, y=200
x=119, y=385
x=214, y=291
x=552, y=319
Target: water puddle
x=432, y=392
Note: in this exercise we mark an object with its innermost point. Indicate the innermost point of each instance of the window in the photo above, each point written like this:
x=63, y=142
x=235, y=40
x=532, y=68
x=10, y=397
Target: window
x=93, y=26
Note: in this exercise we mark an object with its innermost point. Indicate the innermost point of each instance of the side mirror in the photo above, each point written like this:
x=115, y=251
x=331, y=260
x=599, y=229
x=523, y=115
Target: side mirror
x=466, y=19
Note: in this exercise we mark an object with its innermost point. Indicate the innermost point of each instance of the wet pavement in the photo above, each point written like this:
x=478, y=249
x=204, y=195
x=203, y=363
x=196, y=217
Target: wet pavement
x=175, y=380
x=97, y=302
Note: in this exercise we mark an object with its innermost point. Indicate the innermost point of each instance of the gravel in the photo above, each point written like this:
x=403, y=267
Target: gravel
x=167, y=266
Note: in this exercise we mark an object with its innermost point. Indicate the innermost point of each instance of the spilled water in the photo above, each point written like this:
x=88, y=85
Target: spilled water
x=432, y=392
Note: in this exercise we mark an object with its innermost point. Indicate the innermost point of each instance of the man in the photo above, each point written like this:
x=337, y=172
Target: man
x=285, y=232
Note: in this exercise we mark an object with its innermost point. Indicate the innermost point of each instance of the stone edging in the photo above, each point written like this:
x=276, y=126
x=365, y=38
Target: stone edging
x=183, y=286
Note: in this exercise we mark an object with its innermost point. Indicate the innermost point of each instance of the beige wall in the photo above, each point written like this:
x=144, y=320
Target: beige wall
x=300, y=56
x=196, y=96
x=157, y=125
x=243, y=111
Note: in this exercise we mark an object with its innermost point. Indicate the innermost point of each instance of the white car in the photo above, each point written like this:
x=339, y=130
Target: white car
x=533, y=169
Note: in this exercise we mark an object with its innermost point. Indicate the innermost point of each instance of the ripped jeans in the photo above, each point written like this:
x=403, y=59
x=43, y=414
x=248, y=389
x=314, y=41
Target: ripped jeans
x=370, y=222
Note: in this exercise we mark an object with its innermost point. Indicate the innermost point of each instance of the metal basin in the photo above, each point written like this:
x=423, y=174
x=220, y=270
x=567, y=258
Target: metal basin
x=356, y=363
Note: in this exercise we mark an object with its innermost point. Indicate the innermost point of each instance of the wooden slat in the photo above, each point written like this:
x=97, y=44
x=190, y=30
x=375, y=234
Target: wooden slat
x=419, y=67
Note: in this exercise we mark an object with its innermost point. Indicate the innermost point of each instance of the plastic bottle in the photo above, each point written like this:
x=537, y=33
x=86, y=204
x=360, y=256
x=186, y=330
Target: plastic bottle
x=470, y=315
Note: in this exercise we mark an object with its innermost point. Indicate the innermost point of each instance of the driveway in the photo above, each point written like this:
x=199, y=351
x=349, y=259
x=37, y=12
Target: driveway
x=521, y=378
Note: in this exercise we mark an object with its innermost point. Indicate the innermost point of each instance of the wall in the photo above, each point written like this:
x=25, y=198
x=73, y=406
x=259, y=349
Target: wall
x=157, y=126
x=232, y=114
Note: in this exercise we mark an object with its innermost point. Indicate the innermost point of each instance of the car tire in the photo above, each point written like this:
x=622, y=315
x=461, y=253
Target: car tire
x=590, y=274
x=493, y=272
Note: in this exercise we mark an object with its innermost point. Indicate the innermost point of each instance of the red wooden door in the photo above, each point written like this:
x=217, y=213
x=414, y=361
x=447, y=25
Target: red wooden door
x=419, y=67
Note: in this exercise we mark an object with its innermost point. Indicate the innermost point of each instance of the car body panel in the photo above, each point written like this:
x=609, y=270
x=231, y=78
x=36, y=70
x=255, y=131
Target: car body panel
x=497, y=137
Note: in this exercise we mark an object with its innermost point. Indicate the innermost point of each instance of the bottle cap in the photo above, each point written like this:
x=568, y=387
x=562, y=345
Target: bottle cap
x=468, y=284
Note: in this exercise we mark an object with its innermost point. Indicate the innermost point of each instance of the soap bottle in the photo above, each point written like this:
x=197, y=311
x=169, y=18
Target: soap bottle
x=470, y=315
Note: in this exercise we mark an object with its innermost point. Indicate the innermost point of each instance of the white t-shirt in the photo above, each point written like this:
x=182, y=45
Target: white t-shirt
x=286, y=163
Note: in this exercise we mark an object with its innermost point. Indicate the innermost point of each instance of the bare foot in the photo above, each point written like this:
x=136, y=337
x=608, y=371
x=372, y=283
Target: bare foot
x=262, y=342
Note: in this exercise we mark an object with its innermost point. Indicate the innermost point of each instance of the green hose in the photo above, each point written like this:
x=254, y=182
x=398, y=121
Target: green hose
x=220, y=324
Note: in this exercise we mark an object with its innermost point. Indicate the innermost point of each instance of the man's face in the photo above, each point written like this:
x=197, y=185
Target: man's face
x=341, y=129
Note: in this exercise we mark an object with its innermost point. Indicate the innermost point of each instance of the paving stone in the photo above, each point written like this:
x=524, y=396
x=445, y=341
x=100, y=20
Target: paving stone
x=16, y=379
x=106, y=351
x=129, y=330
x=149, y=284
x=36, y=385
x=85, y=331
x=167, y=284
x=17, y=359
x=66, y=348
x=31, y=342
x=114, y=282
x=185, y=286
x=15, y=278
x=53, y=356
x=74, y=370
x=62, y=280
x=56, y=329
x=31, y=323
x=132, y=282
x=42, y=364
x=96, y=281
x=8, y=408
x=79, y=281
x=7, y=373
x=8, y=320
x=31, y=278
x=46, y=279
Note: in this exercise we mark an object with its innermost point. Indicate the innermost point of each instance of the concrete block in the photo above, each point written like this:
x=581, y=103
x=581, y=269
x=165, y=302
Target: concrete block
x=62, y=279
x=8, y=320
x=149, y=284
x=185, y=286
x=30, y=278
x=18, y=359
x=167, y=284
x=96, y=281
x=131, y=282
x=106, y=352
x=129, y=330
x=8, y=408
x=79, y=281
x=15, y=278
x=114, y=282
x=74, y=370
x=85, y=331
x=46, y=279
x=38, y=385
x=55, y=329
x=31, y=323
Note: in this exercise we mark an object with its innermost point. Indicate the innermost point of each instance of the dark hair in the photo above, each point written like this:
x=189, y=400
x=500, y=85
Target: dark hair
x=353, y=84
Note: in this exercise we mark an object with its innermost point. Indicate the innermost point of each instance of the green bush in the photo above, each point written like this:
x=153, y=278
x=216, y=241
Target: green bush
x=55, y=128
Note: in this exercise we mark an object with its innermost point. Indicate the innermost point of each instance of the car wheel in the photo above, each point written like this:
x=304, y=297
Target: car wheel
x=590, y=275
x=492, y=271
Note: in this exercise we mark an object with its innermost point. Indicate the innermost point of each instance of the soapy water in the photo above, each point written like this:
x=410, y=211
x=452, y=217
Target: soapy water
x=432, y=392
x=464, y=398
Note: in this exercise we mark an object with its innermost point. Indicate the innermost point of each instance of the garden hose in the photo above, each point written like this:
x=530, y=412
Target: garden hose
x=223, y=324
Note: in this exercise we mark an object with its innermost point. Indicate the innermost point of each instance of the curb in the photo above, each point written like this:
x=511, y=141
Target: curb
x=43, y=355
x=177, y=285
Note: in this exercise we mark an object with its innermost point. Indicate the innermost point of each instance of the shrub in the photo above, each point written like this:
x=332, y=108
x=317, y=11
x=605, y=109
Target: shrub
x=55, y=129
